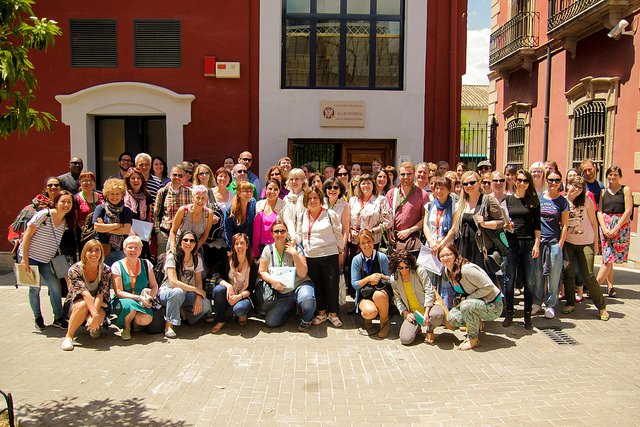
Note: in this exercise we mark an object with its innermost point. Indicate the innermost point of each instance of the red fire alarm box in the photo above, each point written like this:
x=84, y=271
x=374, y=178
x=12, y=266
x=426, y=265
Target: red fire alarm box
x=209, y=66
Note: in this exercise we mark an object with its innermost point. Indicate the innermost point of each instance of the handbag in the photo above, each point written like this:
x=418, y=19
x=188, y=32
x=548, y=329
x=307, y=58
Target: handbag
x=385, y=244
x=265, y=296
x=497, y=237
x=493, y=261
x=59, y=262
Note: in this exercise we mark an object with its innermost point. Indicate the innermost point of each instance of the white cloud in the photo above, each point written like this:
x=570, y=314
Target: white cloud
x=477, y=57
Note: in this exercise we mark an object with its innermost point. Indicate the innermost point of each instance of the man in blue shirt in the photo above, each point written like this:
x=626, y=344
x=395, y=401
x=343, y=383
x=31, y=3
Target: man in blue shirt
x=246, y=158
x=594, y=185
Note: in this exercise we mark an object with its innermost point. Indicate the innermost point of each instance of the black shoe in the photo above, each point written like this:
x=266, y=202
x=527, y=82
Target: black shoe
x=61, y=323
x=40, y=324
x=527, y=321
x=508, y=319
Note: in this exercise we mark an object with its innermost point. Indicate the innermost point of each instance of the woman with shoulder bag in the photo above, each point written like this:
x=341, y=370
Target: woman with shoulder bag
x=39, y=247
x=482, y=298
x=370, y=279
x=196, y=217
x=267, y=212
x=285, y=253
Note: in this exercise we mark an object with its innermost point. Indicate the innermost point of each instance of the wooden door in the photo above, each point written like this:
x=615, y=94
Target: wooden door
x=364, y=152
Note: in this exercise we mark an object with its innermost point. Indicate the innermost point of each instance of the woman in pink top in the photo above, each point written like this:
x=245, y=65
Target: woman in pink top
x=267, y=211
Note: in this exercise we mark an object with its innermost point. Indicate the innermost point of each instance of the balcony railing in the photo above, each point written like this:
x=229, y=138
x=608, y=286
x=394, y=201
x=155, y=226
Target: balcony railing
x=561, y=11
x=518, y=33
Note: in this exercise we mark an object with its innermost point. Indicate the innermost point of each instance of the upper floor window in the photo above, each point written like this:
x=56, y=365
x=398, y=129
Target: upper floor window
x=516, y=143
x=347, y=44
x=94, y=43
x=157, y=43
x=589, y=130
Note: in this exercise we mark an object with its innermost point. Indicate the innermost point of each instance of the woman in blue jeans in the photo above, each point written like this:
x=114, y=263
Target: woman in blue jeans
x=181, y=289
x=39, y=246
x=554, y=216
x=524, y=243
x=236, y=288
x=285, y=253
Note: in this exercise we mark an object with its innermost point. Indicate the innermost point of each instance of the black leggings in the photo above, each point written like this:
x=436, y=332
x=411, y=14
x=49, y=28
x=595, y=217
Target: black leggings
x=324, y=272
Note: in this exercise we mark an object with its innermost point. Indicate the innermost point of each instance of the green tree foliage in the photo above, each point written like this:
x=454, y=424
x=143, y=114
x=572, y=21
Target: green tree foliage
x=21, y=32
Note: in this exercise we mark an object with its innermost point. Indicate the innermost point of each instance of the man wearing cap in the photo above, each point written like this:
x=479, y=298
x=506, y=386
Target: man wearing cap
x=484, y=167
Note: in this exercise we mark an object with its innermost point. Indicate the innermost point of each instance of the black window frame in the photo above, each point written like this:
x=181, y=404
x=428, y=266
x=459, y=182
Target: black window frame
x=343, y=17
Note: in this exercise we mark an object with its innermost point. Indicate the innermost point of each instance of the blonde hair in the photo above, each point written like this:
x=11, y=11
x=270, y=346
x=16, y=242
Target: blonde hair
x=87, y=247
x=298, y=173
x=114, y=184
x=464, y=200
x=211, y=182
x=132, y=239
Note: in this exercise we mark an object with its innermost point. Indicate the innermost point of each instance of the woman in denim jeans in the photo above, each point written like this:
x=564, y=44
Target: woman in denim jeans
x=554, y=215
x=285, y=253
x=524, y=243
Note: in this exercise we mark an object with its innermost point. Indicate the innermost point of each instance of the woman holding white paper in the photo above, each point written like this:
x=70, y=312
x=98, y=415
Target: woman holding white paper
x=284, y=253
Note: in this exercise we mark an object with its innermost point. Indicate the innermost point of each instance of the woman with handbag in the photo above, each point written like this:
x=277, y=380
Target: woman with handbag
x=370, y=279
x=334, y=192
x=237, y=283
x=475, y=210
x=554, y=215
x=181, y=290
x=267, y=212
x=285, y=254
x=581, y=246
x=482, y=298
x=39, y=247
x=196, y=217
x=322, y=240
x=112, y=220
x=135, y=288
x=89, y=292
x=413, y=293
x=523, y=235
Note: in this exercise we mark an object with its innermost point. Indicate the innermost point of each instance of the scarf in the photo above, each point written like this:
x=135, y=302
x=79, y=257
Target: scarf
x=137, y=202
x=448, y=214
x=112, y=216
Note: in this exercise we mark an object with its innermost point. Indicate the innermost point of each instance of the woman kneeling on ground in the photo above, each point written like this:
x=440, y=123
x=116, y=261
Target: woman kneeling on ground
x=285, y=253
x=412, y=292
x=181, y=289
x=90, y=280
x=483, y=299
x=370, y=279
x=130, y=278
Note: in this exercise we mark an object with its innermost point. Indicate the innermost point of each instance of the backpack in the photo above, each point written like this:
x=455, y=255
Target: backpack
x=158, y=323
x=15, y=231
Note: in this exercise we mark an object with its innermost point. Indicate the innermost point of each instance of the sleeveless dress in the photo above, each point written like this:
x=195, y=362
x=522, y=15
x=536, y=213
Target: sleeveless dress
x=121, y=307
x=615, y=250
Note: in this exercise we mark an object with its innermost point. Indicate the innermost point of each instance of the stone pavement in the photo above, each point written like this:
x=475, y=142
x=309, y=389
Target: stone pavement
x=252, y=375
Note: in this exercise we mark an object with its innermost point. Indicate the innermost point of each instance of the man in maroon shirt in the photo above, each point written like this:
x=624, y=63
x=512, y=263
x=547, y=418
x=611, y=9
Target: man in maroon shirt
x=407, y=204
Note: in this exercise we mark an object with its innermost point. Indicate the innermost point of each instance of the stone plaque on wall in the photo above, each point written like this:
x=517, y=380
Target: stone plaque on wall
x=342, y=114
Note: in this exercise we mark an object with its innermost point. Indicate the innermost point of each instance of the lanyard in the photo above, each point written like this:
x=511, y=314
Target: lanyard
x=133, y=278
x=278, y=253
x=311, y=223
x=405, y=199
x=93, y=204
x=364, y=202
x=330, y=207
x=368, y=265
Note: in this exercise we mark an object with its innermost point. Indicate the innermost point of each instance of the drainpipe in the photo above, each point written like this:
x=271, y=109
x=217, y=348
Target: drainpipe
x=547, y=101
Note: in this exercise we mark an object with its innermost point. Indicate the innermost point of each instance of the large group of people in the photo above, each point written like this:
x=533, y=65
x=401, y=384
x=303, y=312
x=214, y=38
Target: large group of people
x=440, y=246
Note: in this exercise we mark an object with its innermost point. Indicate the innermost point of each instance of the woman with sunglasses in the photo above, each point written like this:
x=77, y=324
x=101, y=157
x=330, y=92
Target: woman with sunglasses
x=412, y=292
x=267, y=212
x=616, y=207
x=203, y=175
x=334, y=201
x=181, y=290
x=284, y=253
x=277, y=173
x=236, y=285
x=498, y=186
x=582, y=246
x=322, y=240
x=294, y=207
x=554, y=215
x=470, y=216
x=482, y=298
x=486, y=183
x=240, y=215
x=342, y=173
x=523, y=235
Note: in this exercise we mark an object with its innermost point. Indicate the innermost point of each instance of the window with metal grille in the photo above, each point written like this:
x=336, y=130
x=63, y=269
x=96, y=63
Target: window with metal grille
x=516, y=143
x=94, y=43
x=343, y=44
x=157, y=43
x=589, y=127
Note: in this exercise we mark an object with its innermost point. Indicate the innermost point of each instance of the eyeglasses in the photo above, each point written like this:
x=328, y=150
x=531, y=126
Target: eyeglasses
x=189, y=172
x=486, y=182
x=406, y=174
x=78, y=163
x=248, y=190
x=333, y=187
x=522, y=181
x=469, y=183
x=343, y=174
x=482, y=168
x=53, y=185
x=554, y=180
x=246, y=159
x=242, y=171
x=177, y=175
x=126, y=160
x=499, y=180
x=187, y=240
x=204, y=173
x=279, y=231
x=446, y=255
x=275, y=174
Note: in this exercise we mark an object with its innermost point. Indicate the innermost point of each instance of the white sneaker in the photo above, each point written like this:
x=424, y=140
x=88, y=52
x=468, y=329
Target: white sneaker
x=67, y=344
x=535, y=309
x=549, y=313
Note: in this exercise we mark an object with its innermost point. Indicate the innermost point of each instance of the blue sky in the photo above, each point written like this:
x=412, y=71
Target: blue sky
x=478, y=33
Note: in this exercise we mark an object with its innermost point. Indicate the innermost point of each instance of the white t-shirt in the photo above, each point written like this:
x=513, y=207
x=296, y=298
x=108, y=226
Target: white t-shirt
x=46, y=238
x=188, y=273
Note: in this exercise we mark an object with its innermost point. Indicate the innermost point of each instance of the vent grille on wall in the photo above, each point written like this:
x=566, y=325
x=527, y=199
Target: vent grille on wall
x=94, y=43
x=157, y=43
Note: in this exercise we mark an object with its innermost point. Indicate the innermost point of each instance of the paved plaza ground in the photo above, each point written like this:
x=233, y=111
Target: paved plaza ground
x=254, y=375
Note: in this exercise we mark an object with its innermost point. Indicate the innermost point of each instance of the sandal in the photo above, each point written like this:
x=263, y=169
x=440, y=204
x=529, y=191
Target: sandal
x=604, y=317
x=579, y=298
x=217, y=328
x=320, y=318
x=466, y=345
x=429, y=338
x=568, y=309
x=335, y=321
x=242, y=320
x=612, y=292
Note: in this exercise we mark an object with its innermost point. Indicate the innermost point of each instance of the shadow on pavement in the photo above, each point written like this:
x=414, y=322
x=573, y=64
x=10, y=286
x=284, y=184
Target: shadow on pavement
x=106, y=412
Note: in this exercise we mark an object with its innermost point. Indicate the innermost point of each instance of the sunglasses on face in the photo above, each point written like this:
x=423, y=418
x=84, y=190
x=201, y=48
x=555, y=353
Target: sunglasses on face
x=343, y=174
x=204, y=173
x=554, y=180
x=522, y=181
x=177, y=175
x=469, y=183
x=499, y=181
x=333, y=187
x=189, y=172
x=187, y=240
x=53, y=185
x=242, y=171
x=279, y=231
x=246, y=159
x=486, y=182
x=275, y=174
x=483, y=168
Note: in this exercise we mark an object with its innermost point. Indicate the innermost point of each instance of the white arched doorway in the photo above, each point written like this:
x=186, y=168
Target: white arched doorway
x=123, y=99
